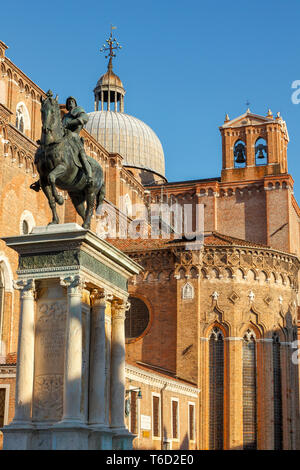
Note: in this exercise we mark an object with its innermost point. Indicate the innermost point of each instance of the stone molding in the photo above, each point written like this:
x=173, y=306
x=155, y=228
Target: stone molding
x=155, y=380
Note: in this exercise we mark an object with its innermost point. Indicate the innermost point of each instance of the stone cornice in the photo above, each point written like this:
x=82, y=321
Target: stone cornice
x=85, y=134
x=16, y=69
x=5, y=114
x=21, y=140
x=246, y=256
x=7, y=371
x=155, y=380
x=131, y=181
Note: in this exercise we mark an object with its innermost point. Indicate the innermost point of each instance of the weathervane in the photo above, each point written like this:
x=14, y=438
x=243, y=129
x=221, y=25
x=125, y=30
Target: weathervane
x=111, y=46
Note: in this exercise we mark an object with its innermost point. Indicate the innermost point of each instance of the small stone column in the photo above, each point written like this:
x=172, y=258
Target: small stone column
x=73, y=352
x=25, y=363
x=122, y=439
x=117, y=383
x=107, y=367
x=97, y=401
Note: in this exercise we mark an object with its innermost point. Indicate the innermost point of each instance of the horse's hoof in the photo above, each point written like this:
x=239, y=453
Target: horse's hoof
x=54, y=222
x=60, y=200
x=86, y=226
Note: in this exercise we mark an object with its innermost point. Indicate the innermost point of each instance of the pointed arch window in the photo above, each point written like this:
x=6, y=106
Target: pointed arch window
x=216, y=389
x=2, y=292
x=249, y=392
x=261, y=152
x=277, y=390
x=22, y=117
x=239, y=154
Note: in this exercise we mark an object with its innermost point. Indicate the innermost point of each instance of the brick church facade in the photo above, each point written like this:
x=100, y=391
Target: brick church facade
x=209, y=356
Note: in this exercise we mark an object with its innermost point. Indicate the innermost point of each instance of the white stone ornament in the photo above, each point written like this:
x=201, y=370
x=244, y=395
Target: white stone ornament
x=280, y=299
x=251, y=296
x=187, y=292
x=215, y=295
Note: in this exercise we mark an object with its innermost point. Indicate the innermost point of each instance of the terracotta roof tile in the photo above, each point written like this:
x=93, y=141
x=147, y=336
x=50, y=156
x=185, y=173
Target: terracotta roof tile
x=210, y=238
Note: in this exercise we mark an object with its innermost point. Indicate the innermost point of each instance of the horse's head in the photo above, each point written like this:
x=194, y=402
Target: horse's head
x=51, y=121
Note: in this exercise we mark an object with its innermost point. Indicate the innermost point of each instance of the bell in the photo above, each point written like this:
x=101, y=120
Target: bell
x=240, y=157
x=260, y=154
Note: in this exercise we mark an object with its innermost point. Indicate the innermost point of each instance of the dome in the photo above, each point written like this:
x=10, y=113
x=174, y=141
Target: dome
x=109, y=78
x=134, y=140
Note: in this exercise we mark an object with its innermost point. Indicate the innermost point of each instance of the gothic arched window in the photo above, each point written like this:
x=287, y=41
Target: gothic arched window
x=2, y=292
x=277, y=390
x=22, y=117
x=216, y=389
x=261, y=152
x=249, y=391
x=239, y=154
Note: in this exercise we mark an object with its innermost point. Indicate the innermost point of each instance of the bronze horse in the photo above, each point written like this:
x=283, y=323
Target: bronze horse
x=58, y=164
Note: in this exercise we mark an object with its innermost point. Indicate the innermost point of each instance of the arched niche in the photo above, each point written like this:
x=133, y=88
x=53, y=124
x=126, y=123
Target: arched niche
x=239, y=154
x=261, y=152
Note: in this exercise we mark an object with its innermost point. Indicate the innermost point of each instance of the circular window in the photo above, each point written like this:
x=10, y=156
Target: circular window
x=137, y=318
x=25, y=227
x=27, y=223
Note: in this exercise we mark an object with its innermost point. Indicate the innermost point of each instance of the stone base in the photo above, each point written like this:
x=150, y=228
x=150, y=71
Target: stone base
x=122, y=439
x=65, y=437
x=70, y=438
x=17, y=437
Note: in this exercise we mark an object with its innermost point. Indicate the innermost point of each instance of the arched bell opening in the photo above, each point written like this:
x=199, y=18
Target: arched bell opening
x=261, y=152
x=239, y=154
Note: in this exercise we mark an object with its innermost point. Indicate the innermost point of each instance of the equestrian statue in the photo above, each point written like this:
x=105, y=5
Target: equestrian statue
x=61, y=160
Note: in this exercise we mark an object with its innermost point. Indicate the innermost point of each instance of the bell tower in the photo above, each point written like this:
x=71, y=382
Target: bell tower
x=253, y=146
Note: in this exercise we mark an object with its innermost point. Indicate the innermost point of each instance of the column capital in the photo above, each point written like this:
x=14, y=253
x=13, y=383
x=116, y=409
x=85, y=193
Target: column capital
x=26, y=286
x=100, y=297
x=74, y=284
x=119, y=308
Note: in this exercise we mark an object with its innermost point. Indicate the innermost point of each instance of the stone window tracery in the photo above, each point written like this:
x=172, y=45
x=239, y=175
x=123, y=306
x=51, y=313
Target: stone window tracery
x=137, y=318
x=277, y=390
x=249, y=391
x=216, y=389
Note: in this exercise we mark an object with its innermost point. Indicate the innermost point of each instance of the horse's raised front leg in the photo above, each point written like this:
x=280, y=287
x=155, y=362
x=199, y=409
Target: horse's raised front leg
x=48, y=192
x=58, y=171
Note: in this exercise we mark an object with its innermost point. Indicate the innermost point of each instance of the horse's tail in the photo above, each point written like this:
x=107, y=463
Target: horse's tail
x=100, y=195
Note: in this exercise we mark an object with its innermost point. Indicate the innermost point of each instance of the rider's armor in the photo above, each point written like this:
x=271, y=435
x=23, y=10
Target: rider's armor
x=74, y=121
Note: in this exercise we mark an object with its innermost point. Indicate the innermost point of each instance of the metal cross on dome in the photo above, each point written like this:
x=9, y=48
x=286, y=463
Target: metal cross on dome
x=111, y=46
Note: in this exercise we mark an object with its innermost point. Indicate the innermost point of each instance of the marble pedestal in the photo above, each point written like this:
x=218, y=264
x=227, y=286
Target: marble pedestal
x=70, y=384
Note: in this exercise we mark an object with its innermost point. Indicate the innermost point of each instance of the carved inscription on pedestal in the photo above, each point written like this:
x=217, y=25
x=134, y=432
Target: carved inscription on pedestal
x=49, y=359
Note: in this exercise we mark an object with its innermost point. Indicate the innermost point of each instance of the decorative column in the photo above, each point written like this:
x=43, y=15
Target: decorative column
x=107, y=367
x=98, y=358
x=25, y=363
x=108, y=99
x=117, y=384
x=122, y=439
x=73, y=352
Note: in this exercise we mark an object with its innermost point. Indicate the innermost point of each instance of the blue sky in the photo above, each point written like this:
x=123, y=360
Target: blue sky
x=184, y=65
